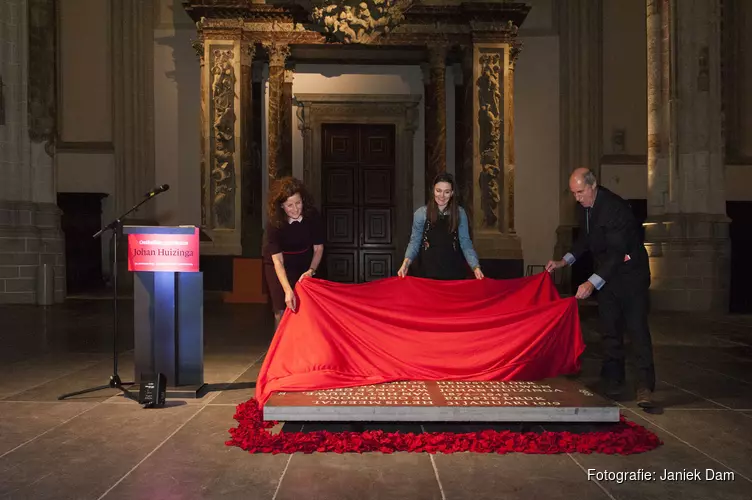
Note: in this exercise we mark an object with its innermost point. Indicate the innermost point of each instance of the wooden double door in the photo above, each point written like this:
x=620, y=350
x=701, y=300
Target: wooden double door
x=358, y=205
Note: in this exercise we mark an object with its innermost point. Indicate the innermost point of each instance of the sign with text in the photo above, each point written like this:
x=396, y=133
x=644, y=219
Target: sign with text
x=541, y=401
x=163, y=252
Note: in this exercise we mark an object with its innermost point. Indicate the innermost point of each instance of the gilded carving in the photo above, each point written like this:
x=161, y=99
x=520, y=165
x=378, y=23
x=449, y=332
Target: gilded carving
x=278, y=52
x=223, y=116
x=247, y=51
x=514, y=53
x=359, y=21
x=204, y=138
x=198, y=46
x=490, y=119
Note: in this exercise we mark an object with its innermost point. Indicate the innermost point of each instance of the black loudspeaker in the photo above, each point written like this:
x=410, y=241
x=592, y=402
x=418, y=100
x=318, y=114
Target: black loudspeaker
x=152, y=391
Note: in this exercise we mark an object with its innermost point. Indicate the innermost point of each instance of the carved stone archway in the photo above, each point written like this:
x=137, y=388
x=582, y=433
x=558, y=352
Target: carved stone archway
x=400, y=110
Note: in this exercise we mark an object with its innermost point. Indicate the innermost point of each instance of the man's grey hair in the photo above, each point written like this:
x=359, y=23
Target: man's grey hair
x=589, y=178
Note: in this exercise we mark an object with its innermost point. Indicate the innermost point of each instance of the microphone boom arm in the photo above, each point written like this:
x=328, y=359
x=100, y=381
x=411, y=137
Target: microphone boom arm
x=112, y=225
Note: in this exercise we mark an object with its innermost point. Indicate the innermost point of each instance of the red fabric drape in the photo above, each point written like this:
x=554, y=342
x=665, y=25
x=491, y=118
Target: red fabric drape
x=419, y=329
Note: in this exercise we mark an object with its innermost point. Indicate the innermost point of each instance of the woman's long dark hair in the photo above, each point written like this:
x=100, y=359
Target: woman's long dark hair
x=453, y=206
x=281, y=190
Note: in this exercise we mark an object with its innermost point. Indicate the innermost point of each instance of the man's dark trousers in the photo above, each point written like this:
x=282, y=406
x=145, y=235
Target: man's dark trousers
x=624, y=306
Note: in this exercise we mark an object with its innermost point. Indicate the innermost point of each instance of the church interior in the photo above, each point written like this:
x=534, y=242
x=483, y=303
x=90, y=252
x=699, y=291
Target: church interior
x=365, y=102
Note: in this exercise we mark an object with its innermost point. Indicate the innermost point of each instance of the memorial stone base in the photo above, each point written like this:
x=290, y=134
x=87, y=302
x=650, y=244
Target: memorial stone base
x=553, y=400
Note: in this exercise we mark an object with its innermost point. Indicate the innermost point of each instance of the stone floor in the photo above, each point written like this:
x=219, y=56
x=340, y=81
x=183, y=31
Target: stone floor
x=104, y=446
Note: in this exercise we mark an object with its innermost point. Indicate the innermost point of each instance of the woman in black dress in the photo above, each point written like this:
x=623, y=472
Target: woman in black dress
x=294, y=242
x=441, y=237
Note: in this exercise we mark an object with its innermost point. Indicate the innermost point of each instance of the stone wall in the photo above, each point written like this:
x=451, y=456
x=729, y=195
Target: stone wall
x=30, y=234
x=690, y=258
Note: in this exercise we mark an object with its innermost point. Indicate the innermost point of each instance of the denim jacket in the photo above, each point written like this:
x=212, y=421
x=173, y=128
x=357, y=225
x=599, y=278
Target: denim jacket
x=466, y=244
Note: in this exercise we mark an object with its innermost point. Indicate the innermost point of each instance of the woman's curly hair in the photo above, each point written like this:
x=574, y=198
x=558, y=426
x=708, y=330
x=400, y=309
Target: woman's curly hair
x=279, y=192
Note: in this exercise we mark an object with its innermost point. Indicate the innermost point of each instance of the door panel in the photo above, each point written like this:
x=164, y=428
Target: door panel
x=376, y=265
x=340, y=265
x=358, y=178
x=378, y=186
x=340, y=144
x=377, y=145
x=340, y=186
x=341, y=227
x=377, y=226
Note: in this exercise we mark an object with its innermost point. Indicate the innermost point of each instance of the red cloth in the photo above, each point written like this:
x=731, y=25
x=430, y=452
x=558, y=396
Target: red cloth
x=419, y=329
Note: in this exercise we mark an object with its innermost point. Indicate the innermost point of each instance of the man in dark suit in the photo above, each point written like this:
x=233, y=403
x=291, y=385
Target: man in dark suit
x=609, y=230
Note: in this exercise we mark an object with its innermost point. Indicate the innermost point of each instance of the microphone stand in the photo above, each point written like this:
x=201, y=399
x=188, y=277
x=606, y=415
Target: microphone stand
x=116, y=226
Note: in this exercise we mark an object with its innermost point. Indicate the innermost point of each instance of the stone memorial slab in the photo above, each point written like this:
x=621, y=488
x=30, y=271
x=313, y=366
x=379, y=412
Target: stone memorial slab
x=553, y=400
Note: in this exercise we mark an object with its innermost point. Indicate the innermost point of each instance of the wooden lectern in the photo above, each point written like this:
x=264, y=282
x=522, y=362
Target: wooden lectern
x=168, y=308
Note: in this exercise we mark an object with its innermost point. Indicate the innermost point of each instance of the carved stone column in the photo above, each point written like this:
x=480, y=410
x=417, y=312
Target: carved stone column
x=687, y=230
x=286, y=123
x=581, y=108
x=278, y=54
x=250, y=215
x=494, y=178
x=223, y=138
x=465, y=175
x=509, y=160
x=198, y=46
x=435, y=118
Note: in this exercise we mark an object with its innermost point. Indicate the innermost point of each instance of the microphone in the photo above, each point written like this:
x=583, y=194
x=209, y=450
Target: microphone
x=157, y=190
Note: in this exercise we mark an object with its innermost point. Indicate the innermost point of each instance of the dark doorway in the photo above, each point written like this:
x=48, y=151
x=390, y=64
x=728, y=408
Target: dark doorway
x=740, y=233
x=80, y=220
x=358, y=205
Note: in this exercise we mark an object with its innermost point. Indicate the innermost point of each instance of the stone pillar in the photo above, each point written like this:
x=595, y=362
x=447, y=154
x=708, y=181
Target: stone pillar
x=492, y=141
x=435, y=118
x=249, y=169
x=278, y=54
x=30, y=234
x=581, y=108
x=198, y=46
x=687, y=229
x=133, y=106
x=227, y=94
x=286, y=123
x=509, y=157
x=465, y=175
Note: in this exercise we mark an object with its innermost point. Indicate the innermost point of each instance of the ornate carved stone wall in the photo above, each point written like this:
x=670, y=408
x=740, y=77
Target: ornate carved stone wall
x=490, y=116
x=359, y=21
x=493, y=202
x=223, y=178
x=281, y=28
x=226, y=92
x=278, y=54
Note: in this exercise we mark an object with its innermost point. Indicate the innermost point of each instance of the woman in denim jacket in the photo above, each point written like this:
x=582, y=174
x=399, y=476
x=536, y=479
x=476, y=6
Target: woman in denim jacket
x=440, y=236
